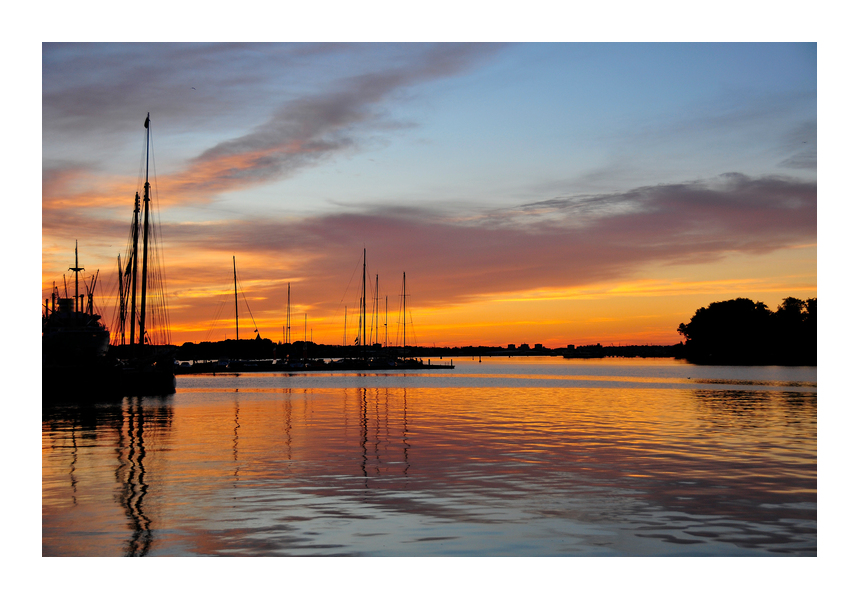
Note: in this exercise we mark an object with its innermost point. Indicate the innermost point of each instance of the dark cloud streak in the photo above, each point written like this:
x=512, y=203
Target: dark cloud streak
x=568, y=245
x=558, y=243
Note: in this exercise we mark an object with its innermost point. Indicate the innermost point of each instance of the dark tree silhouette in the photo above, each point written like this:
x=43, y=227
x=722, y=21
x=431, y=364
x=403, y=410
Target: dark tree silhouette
x=795, y=331
x=741, y=331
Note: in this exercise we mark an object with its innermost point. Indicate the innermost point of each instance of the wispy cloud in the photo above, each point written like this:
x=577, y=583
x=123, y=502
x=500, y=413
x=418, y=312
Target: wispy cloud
x=302, y=129
x=558, y=243
x=311, y=128
x=806, y=159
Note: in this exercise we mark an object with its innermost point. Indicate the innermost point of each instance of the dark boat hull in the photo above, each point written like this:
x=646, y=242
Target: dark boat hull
x=104, y=381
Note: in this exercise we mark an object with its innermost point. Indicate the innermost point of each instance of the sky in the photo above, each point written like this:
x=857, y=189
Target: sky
x=554, y=193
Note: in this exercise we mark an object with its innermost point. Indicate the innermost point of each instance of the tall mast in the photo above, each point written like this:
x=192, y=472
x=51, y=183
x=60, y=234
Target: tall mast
x=404, y=315
x=77, y=270
x=145, y=239
x=121, y=302
x=236, y=295
x=364, y=302
x=135, y=231
x=386, y=322
x=91, y=292
x=287, y=312
x=376, y=308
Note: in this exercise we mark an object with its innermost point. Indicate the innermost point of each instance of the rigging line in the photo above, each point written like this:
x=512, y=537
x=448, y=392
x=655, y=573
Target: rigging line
x=357, y=315
x=358, y=293
x=349, y=283
x=372, y=318
x=162, y=312
x=401, y=312
x=217, y=316
x=115, y=318
x=142, y=169
x=153, y=298
x=414, y=335
x=98, y=307
x=117, y=307
x=378, y=312
x=225, y=294
x=244, y=297
x=158, y=246
x=126, y=285
x=152, y=147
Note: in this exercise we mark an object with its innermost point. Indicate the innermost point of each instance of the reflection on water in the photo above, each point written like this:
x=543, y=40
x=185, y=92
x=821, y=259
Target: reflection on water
x=259, y=468
x=106, y=447
x=131, y=475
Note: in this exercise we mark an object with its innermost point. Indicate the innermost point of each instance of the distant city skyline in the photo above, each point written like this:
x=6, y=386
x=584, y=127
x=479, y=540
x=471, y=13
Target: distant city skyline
x=532, y=193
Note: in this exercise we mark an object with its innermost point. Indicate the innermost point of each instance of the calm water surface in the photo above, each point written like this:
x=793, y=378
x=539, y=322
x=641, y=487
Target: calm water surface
x=539, y=456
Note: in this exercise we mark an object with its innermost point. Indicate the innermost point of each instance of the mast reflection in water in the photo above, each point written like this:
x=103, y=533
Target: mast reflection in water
x=110, y=442
x=543, y=457
x=131, y=474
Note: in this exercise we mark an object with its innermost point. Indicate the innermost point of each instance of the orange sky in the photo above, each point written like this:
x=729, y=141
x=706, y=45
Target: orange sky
x=634, y=310
x=520, y=209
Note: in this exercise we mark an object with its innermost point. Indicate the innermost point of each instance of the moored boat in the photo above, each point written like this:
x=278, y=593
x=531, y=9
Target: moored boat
x=71, y=331
x=78, y=362
x=141, y=367
x=74, y=344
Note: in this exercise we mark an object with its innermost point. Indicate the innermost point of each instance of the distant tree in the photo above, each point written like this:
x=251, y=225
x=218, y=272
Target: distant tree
x=741, y=331
x=795, y=331
x=729, y=331
x=809, y=334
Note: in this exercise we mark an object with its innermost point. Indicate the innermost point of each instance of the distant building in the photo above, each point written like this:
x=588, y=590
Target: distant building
x=525, y=346
x=538, y=346
x=511, y=346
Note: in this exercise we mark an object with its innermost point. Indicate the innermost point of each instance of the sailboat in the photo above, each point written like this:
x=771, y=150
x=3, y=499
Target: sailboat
x=143, y=367
x=243, y=356
x=387, y=359
x=403, y=362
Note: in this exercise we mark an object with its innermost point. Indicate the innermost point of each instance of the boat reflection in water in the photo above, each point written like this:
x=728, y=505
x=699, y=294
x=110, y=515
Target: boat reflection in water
x=573, y=460
x=132, y=428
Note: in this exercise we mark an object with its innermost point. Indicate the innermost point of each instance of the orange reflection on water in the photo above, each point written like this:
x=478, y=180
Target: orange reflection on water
x=200, y=472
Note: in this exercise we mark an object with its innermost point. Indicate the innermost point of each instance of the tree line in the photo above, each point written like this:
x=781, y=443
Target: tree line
x=740, y=331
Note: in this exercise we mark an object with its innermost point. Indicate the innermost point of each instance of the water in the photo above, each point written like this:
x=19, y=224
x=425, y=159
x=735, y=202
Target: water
x=539, y=456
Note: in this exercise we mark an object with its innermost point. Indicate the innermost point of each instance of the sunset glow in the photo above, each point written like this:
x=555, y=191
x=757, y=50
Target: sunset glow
x=532, y=193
